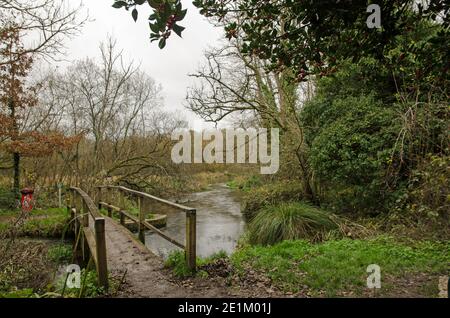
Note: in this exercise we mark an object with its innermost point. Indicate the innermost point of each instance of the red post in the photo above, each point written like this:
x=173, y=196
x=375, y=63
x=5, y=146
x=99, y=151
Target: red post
x=27, y=199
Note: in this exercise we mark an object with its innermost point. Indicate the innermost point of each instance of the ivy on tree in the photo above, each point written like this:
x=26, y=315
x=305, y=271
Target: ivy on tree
x=164, y=19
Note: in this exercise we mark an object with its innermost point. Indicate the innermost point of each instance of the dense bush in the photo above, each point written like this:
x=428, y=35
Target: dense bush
x=7, y=199
x=290, y=221
x=424, y=208
x=351, y=150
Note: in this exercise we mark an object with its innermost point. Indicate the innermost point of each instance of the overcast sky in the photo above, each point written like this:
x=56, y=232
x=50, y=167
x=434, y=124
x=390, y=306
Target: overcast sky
x=169, y=67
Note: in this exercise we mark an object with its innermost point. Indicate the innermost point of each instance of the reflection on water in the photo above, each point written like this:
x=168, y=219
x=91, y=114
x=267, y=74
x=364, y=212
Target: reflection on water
x=219, y=223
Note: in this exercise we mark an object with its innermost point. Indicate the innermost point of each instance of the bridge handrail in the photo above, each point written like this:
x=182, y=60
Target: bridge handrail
x=94, y=240
x=152, y=197
x=189, y=247
x=91, y=207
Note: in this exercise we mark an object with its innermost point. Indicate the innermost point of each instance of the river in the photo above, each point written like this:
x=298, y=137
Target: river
x=219, y=223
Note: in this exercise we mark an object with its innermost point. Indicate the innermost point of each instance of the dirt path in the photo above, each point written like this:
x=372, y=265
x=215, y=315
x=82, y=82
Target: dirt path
x=145, y=273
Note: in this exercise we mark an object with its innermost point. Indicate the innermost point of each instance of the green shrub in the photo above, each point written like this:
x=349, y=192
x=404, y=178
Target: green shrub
x=429, y=191
x=177, y=262
x=423, y=209
x=7, y=199
x=270, y=194
x=89, y=286
x=289, y=221
x=354, y=152
x=60, y=253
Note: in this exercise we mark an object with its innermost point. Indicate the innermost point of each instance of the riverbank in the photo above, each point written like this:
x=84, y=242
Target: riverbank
x=335, y=268
x=334, y=264
x=332, y=267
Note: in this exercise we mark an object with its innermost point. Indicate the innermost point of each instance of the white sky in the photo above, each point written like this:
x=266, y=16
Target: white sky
x=169, y=67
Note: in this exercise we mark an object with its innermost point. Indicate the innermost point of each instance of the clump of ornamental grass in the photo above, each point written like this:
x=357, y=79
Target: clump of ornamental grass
x=291, y=221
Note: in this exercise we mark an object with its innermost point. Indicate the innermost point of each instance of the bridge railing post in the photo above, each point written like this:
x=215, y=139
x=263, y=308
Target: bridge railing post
x=141, y=208
x=99, y=198
x=100, y=243
x=85, y=215
x=191, y=239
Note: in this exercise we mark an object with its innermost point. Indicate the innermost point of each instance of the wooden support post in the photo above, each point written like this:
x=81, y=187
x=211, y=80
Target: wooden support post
x=100, y=243
x=72, y=219
x=141, y=219
x=109, y=212
x=79, y=205
x=121, y=200
x=191, y=239
x=85, y=223
x=108, y=196
x=75, y=227
x=85, y=215
x=99, y=198
x=122, y=218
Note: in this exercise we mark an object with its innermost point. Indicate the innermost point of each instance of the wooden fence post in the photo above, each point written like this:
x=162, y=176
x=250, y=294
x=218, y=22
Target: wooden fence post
x=141, y=219
x=191, y=239
x=85, y=214
x=122, y=218
x=100, y=242
x=99, y=198
x=121, y=199
x=121, y=205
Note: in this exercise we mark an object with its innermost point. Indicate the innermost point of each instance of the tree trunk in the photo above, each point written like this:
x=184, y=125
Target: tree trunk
x=16, y=186
x=16, y=155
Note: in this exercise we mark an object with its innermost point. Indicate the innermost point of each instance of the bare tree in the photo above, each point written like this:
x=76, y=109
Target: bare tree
x=118, y=108
x=239, y=87
x=44, y=23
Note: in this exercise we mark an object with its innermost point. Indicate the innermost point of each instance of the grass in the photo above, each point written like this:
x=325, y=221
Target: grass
x=177, y=263
x=47, y=223
x=259, y=196
x=333, y=267
x=60, y=253
x=89, y=286
x=245, y=183
x=290, y=221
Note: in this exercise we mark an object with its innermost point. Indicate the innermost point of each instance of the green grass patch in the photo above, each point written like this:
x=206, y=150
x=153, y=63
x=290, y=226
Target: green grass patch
x=21, y=293
x=177, y=262
x=258, y=197
x=245, y=183
x=48, y=223
x=340, y=265
x=60, y=253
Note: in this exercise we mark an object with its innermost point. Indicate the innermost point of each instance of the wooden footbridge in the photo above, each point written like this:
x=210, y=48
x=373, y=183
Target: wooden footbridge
x=108, y=243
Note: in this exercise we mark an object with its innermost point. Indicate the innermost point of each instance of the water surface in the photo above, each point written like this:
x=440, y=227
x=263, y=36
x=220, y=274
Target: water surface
x=219, y=223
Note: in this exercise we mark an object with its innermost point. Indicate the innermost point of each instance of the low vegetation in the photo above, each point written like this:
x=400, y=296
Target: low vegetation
x=335, y=267
x=258, y=195
x=290, y=221
x=176, y=262
x=46, y=223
